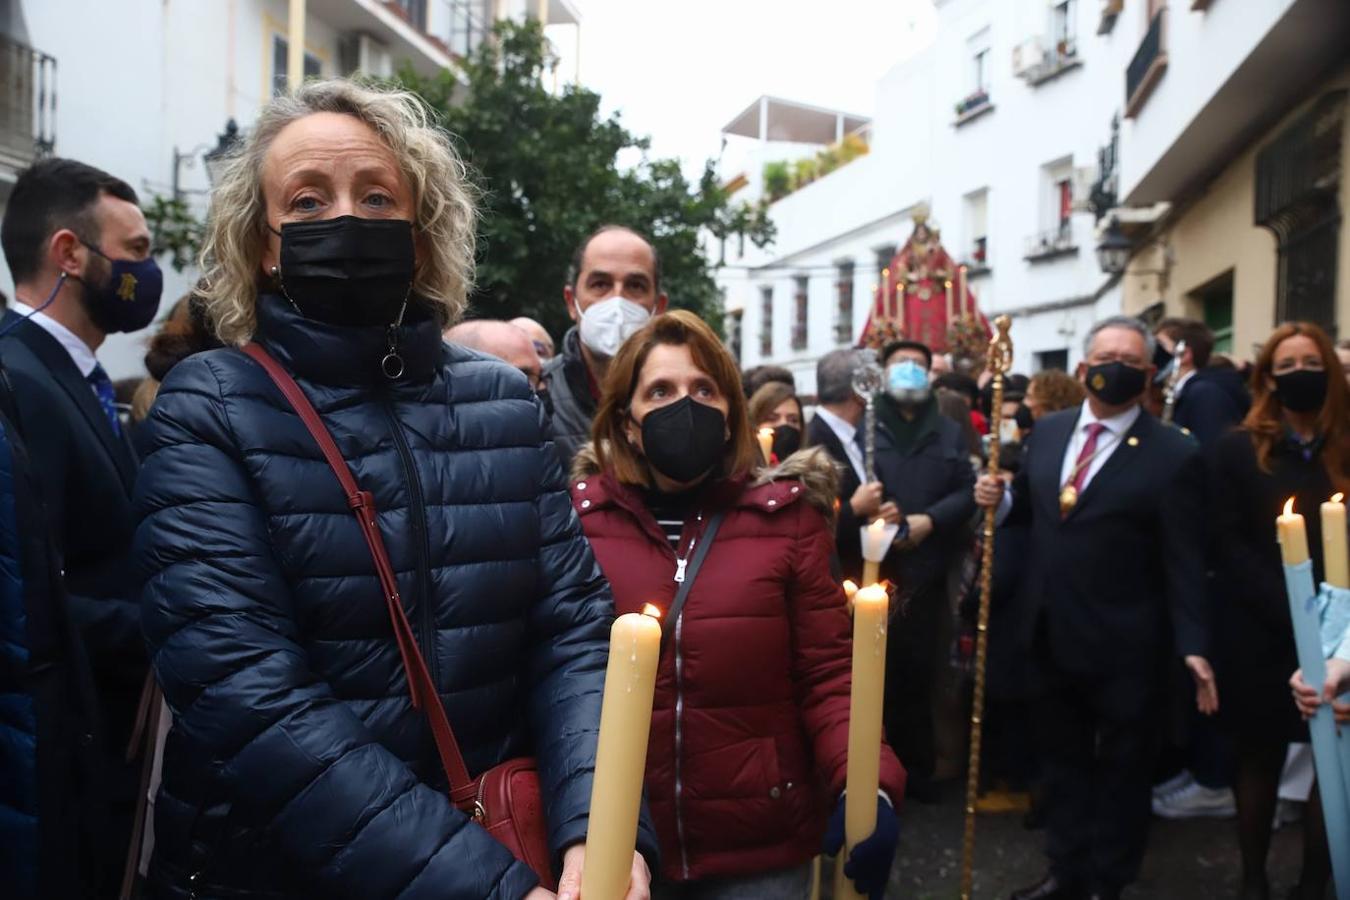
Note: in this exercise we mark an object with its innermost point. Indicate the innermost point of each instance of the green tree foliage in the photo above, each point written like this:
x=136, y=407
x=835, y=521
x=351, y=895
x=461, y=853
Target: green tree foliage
x=548, y=171
x=173, y=230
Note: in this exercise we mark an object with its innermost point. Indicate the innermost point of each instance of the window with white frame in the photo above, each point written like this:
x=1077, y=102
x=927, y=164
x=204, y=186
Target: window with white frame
x=979, y=52
x=843, y=309
x=766, y=320
x=1057, y=195
x=1062, y=29
x=281, y=64
x=977, y=228
x=801, y=311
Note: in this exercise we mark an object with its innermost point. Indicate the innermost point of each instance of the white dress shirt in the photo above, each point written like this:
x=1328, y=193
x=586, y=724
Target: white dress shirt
x=79, y=351
x=847, y=435
x=1113, y=433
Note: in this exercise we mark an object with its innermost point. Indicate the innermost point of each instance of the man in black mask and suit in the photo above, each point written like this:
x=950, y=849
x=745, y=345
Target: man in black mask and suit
x=78, y=248
x=1116, y=584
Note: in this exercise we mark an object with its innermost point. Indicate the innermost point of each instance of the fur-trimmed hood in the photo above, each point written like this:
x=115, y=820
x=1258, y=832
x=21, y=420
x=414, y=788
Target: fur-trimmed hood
x=812, y=467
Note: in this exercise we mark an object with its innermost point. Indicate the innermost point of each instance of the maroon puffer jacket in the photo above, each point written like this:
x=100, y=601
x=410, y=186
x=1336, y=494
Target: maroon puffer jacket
x=749, y=741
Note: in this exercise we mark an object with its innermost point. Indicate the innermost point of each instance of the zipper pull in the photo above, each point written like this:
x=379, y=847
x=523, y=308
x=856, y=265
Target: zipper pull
x=679, y=569
x=392, y=364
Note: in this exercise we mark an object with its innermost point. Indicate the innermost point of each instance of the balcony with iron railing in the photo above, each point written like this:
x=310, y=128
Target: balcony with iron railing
x=1060, y=58
x=1148, y=65
x=1051, y=244
x=27, y=105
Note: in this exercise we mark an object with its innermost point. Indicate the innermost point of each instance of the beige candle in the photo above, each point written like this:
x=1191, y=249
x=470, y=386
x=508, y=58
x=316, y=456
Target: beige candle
x=874, y=551
x=1335, y=566
x=766, y=444
x=871, y=608
x=621, y=757
x=951, y=308
x=1293, y=536
x=961, y=291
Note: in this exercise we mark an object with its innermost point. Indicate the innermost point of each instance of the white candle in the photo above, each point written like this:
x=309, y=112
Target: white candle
x=871, y=611
x=621, y=757
x=1334, y=561
x=1293, y=536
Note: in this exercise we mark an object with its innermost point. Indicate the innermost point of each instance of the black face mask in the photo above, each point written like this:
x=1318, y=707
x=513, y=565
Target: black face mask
x=1115, y=383
x=347, y=271
x=787, y=440
x=1302, y=391
x=685, y=440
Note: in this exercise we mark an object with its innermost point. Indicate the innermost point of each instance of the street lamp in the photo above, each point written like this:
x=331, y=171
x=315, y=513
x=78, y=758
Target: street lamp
x=1113, y=252
x=215, y=158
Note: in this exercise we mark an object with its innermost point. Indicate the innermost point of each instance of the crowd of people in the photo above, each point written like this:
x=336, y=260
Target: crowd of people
x=248, y=599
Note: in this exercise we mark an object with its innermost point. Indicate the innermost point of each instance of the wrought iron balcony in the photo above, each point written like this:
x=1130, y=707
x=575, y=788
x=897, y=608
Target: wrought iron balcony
x=1148, y=65
x=1051, y=244
x=27, y=104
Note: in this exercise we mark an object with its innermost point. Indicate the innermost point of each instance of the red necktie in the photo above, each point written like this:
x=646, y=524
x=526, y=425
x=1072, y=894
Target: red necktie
x=1084, y=462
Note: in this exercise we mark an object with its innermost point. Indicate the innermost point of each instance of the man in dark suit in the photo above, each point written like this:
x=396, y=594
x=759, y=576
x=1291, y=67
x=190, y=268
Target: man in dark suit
x=837, y=426
x=1209, y=400
x=78, y=248
x=1117, y=583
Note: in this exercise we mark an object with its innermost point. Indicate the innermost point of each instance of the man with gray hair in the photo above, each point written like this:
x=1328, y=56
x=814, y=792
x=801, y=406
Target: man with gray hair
x=836, y=426
x=1116, y=583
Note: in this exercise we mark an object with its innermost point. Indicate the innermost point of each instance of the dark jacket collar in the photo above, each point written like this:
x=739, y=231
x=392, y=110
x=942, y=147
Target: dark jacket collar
x=575, y=372
x=336, y=355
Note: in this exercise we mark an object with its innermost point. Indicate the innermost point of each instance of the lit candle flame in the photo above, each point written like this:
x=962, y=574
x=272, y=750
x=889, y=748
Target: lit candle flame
x=850, y=588
x=878, y=525
x=652, y=611
x=1337, y=497
x=766, y=431
x=1289, y=507
x=948, y=283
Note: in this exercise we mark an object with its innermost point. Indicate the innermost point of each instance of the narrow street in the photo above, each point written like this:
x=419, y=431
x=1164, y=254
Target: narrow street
x=1188, y=859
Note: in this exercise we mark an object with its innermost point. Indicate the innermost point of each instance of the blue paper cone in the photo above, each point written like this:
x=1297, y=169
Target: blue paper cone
x=1304, y=607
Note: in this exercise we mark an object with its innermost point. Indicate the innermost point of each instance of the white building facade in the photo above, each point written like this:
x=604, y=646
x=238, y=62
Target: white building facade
x=144, y=88
x=995, y=128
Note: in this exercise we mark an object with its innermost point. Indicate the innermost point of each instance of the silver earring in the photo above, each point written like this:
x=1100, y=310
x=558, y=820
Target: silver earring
x=276, y=273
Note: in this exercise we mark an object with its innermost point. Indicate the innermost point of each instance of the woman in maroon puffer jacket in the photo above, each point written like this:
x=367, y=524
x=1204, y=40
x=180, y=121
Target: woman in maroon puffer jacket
x=749, y=739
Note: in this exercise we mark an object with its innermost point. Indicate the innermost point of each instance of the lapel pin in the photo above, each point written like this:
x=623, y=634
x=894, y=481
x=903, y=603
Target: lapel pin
x=1133, y=442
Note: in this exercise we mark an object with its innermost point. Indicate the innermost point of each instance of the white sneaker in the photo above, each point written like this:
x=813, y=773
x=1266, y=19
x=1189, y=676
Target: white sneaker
x=1195, y=800
x=1173, y=784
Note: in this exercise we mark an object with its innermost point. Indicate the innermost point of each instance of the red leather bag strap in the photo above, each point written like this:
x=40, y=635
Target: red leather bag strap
x=362, y=503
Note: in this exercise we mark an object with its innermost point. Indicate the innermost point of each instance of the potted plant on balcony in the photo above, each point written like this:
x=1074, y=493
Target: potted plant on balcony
x=777, y=180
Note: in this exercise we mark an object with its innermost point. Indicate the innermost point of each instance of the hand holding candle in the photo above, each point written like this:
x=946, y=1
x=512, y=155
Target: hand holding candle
x=871, y=611
x=876, y=540
x=765, y=436
x=621, y=758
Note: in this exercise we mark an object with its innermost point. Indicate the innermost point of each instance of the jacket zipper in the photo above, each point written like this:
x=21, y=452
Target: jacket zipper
x=680, y=563
x=426, y=631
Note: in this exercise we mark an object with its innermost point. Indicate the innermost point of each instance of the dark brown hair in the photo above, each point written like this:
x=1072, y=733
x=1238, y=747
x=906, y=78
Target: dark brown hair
x=1199, y=339
x=680, y=328
x=768, y=398
x=1265, y=421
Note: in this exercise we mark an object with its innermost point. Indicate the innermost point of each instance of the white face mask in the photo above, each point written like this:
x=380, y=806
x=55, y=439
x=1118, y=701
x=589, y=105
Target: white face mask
x=606, y=324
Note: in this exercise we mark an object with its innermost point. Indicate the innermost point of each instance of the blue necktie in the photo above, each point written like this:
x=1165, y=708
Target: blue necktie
x=103, y=386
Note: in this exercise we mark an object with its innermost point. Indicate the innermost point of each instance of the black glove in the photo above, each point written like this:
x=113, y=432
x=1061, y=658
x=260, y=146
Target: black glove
x=869, y=865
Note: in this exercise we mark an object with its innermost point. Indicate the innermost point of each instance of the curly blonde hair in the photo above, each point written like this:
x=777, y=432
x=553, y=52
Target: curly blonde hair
x=231, y=256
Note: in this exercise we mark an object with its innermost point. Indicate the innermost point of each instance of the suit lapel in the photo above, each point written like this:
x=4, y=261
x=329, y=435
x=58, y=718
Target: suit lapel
x=1121, y=457
x=63, y=371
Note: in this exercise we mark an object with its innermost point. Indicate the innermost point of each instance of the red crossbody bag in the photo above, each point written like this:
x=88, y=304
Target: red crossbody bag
x=505, y=800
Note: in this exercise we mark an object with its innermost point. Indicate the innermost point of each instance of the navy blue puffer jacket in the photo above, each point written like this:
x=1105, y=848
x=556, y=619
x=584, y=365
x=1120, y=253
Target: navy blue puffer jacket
x=296, y=765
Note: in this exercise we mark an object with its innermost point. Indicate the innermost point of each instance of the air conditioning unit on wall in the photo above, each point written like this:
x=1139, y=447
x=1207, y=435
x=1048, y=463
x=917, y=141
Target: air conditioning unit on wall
x=1027, y=56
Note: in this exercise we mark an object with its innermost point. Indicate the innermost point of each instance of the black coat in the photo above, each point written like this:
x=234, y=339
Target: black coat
x=86, y=474
x=53, y=841
x=934, y=477
x=848, y=539
x=1210, y=404
x=1255, y=634
x=569, y=391
x=296, y=765
x=1120, y=581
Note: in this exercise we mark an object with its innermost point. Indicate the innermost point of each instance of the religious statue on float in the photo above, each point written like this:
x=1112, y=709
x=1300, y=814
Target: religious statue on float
x=923, y=296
